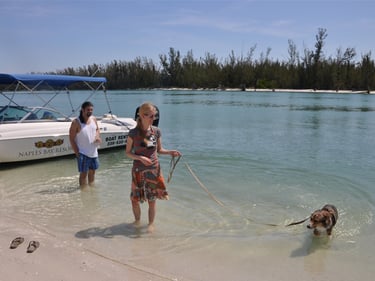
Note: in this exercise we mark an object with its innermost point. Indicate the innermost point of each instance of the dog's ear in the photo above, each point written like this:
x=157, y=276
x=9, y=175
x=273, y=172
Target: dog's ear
x=327, y=221
x=314, y=214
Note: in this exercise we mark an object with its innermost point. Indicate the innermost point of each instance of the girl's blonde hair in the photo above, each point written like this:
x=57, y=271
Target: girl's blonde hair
x=145, y=108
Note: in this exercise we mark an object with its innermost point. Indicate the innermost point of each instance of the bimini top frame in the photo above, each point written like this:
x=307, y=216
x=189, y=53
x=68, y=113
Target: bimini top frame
x=34, y=82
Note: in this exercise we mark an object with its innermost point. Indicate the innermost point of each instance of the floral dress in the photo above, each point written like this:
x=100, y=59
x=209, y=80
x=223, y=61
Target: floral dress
x=149, y=181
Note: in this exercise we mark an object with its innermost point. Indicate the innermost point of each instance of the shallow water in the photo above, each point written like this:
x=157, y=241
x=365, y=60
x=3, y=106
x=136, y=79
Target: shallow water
x=269, y=158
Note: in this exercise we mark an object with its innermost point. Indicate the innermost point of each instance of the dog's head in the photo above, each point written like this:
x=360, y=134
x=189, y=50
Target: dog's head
x=320, y=219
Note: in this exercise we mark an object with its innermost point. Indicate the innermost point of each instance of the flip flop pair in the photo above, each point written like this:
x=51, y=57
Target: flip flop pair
x=33, y=245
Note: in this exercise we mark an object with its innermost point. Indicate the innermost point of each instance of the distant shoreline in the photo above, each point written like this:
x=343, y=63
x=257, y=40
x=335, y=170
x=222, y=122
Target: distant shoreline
x=268, y=90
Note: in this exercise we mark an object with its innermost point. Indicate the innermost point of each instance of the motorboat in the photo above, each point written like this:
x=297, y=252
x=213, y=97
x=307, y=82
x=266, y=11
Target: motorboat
x=40, y=132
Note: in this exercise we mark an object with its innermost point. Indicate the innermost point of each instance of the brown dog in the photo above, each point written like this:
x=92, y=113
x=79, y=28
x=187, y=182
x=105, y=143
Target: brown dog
x=323, y=219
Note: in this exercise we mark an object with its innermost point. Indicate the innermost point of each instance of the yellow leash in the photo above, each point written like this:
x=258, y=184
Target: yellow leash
x=203, y=186
x=173, y=164
x=220, y=202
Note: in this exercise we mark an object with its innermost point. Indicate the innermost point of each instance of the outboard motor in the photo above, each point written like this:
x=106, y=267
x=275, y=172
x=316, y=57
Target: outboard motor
x=156, y=119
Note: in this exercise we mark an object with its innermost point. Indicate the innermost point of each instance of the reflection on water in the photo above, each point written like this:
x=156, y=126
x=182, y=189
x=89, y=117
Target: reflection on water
x=66, y=189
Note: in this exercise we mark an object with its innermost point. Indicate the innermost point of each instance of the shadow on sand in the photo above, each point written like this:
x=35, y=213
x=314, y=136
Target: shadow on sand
x=123, y=229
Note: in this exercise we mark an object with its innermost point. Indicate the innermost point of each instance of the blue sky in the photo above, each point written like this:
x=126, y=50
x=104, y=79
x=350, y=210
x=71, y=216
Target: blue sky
x=50, y=35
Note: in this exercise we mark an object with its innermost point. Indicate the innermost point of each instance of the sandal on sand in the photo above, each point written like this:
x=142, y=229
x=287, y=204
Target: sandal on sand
x=16, y=242
x=33, y=245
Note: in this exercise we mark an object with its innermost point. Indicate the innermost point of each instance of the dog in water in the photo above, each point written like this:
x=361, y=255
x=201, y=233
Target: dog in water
x=323, y=220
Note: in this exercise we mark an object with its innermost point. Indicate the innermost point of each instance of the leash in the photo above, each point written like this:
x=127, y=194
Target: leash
x=220, y=202
x=203, y=187
x=172, y=166
x=298, y=222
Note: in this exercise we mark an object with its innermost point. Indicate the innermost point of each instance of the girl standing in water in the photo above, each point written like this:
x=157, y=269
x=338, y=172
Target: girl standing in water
x=143, y=146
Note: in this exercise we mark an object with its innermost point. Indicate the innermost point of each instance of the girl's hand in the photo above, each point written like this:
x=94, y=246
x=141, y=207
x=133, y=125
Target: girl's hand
x=175, y=153
x=146, y=161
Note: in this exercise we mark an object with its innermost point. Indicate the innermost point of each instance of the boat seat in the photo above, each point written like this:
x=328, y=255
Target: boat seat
x=32, y=116
x=48, y=115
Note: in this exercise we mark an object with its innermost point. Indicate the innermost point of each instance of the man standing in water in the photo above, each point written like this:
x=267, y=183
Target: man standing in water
x=84, y=135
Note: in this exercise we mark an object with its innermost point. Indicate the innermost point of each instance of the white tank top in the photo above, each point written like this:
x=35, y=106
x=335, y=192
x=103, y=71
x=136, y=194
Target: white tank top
x=85, y=139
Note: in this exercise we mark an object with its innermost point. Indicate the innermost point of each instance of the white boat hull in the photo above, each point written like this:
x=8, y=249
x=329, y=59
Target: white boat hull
x=40, y=132
x=36, y=141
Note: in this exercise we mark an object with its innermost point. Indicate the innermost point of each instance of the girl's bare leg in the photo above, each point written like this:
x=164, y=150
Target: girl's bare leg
x=136, y=211
x=136, y=208
x=151, y=215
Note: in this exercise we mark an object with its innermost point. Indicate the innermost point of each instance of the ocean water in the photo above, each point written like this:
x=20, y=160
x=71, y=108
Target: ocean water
x=263, y=160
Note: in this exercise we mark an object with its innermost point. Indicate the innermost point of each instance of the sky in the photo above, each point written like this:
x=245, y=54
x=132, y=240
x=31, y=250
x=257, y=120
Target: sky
x=51, y=35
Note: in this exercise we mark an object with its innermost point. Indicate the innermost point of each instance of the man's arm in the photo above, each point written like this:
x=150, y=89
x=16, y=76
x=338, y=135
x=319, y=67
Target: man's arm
x=72, y=136
x=97, y=136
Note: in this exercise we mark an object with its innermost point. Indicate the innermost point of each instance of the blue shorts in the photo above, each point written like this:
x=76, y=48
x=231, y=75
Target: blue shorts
x=86, y=163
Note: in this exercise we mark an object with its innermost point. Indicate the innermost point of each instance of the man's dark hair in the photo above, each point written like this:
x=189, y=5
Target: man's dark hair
x=83, y=106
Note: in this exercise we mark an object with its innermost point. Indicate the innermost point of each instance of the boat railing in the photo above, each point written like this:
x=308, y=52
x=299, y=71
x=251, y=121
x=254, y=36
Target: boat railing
x=112, y=119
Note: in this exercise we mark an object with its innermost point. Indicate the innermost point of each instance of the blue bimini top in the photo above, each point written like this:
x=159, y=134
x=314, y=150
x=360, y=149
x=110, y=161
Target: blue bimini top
x=52, y=80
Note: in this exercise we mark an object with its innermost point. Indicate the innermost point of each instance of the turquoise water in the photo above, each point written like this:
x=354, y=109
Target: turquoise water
x=269, y=158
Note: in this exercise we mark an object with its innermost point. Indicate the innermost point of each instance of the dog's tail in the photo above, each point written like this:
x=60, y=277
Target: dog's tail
x=298, y=222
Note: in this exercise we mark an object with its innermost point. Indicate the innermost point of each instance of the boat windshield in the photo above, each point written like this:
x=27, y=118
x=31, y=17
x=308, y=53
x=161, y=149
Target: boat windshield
x=11, y=114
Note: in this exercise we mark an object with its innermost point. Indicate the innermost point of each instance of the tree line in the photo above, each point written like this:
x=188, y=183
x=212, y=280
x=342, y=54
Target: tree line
x=311, y=69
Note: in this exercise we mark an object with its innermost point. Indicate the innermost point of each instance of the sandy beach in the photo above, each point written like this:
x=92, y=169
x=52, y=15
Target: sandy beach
x=59, y=259
x=56, y=259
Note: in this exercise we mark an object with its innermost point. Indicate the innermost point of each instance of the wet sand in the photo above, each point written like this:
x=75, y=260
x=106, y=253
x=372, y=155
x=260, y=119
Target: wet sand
x=75, y=259
x=56, y=259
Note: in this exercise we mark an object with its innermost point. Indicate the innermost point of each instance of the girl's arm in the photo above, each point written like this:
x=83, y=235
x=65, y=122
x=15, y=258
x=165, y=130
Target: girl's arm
x=129, y=152
x=162, y=150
